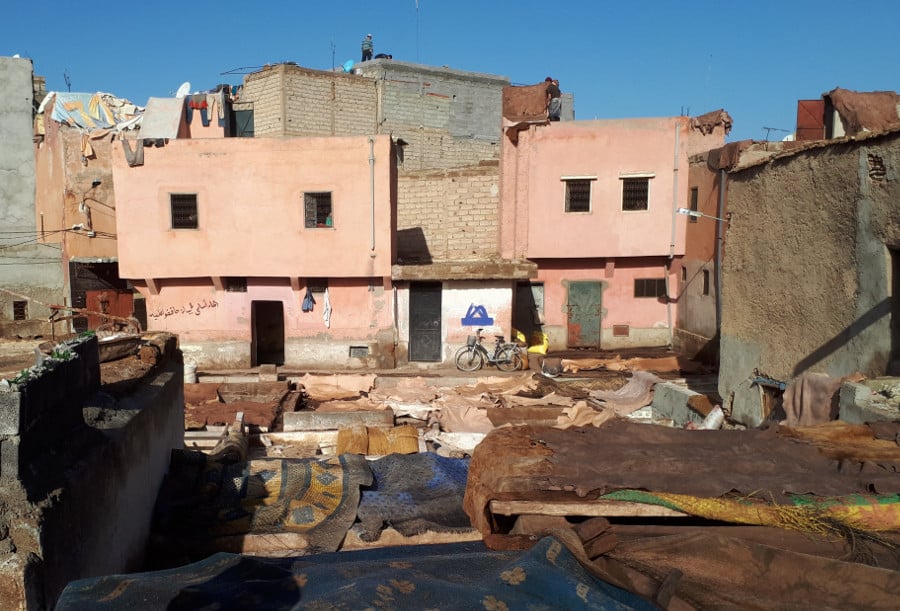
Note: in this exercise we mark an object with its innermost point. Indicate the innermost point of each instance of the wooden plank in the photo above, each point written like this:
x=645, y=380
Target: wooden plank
x=604, y=509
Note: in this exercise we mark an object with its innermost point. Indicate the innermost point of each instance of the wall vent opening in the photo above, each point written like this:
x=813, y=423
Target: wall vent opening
x=359, y=352
x=621, y=330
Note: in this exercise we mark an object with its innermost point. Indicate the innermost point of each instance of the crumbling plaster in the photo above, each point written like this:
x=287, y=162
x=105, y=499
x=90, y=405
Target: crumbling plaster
x=806, y=277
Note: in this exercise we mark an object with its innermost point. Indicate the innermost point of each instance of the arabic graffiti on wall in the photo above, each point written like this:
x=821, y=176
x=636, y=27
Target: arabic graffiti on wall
x=190, y=308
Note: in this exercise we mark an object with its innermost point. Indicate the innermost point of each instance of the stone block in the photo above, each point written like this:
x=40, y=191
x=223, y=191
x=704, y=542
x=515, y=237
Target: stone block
x=747, y=404
x=327, y=421
x=268, y=373
x=672, y=401
x=857, y=404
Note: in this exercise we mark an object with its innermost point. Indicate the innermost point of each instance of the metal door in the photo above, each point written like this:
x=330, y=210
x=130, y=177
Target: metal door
x=108, y=301
x=425, y=322
x=584, y=308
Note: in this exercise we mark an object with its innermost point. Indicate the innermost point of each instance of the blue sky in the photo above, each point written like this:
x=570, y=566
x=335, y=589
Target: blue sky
x=620, y=59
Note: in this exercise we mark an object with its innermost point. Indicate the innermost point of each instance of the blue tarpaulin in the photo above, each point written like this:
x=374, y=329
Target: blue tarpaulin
x=450, y=576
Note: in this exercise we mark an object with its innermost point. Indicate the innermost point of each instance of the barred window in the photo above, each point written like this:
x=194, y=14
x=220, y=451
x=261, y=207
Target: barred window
x=184, y=210
x=578, y=195
x=20, y=310
x=317, y=210
x=635, y=193
x=235, y=285
x=650, y=287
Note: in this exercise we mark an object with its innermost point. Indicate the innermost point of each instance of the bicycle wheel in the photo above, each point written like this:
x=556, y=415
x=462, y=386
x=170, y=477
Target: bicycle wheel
x=509, y=359
x=469, y=359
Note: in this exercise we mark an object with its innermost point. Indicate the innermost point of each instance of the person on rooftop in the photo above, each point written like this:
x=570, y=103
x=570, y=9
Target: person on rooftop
x=367, y=47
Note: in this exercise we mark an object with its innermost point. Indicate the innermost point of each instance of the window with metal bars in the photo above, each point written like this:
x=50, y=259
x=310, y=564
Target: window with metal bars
x=20, y=310
x=184, y=210
x=649, y=287
x=578, y=195
x=694, y=203
x=635, y=194
x=317, y=210
x=235, y=285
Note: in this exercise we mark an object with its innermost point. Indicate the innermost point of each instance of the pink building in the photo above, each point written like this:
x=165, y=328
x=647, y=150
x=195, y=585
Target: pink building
x=594, y=204
x=264, y=250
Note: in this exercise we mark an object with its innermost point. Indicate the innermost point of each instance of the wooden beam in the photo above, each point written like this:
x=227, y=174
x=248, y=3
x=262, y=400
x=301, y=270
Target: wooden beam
x=606, y=509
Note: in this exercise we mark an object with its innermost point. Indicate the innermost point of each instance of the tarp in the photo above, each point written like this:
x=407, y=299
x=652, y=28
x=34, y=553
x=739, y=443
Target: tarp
x=90, y=110
x=448, y=577
x=162, y=118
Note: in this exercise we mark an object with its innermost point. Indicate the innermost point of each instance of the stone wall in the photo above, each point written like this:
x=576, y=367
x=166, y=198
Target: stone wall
x=83, y=506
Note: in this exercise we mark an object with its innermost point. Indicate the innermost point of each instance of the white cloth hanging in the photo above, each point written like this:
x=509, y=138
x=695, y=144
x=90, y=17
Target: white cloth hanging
x=326, y=311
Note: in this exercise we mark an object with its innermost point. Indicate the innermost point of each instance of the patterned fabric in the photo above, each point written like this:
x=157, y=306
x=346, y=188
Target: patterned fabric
x=447, y=577
x=415, y=493
x=317, y=498
x=808, y=514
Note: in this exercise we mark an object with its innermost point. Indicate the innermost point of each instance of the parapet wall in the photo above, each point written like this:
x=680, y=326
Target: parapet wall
x=81, y=470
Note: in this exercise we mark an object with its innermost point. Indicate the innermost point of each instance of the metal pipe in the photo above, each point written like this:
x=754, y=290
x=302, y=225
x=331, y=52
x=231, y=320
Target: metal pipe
x=372, y=189
x=668, y=267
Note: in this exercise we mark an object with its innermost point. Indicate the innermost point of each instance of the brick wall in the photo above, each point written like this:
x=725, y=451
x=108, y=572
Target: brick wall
x=449, y=120
x=449, y=214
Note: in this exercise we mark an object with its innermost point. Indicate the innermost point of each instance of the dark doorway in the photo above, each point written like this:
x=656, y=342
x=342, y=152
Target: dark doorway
x=267, y=320
x=529, y=309
x=584, y=307
x=425, y=322
x=893, y=367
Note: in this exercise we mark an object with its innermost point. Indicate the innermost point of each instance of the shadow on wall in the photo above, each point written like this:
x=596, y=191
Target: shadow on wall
x=412, y=247
x=879, y=311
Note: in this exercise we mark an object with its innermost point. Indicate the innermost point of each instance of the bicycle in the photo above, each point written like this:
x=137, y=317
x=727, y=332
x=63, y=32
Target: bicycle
x=506, y=356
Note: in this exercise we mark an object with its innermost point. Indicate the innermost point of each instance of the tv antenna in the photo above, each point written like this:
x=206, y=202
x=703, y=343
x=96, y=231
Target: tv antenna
x=68, y=80
x=774, y=129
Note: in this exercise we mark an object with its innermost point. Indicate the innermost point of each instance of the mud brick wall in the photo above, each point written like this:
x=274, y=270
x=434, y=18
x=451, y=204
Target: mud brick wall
x=449, y=214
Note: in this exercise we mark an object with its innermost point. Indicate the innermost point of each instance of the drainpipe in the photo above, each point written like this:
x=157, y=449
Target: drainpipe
x=372, y=191
x=720, y=230
x=672, y=237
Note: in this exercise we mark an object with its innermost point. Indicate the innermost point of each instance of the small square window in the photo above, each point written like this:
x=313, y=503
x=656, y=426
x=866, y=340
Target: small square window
x=635, y=194
x=650, y=287
x=694, y=203
x=184, y=210
x=317, y=210
x=20, y=310
x=317, y=285
x=235, y=285
x=578, y=195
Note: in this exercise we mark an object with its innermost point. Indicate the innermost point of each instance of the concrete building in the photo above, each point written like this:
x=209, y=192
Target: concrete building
x=810, y=280
x=593, y=204
x=227, y=237
x=447, y=126
x=31, y=270
x=75, y=204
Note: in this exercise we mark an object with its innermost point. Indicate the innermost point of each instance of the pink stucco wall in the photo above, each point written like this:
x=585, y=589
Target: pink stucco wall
x=198, y=312
x=619, y=306
x=250, y=208
x=534, y=221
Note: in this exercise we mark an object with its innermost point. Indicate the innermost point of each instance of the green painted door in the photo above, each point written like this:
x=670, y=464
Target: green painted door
x=583, y=321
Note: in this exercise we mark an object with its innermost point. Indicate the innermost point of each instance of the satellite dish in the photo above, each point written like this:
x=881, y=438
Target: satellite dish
x=183, y=90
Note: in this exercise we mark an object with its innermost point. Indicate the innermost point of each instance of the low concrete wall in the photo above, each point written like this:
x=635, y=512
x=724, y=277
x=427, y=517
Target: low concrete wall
x=85, y=509
x=671, y=401
x=857, y=404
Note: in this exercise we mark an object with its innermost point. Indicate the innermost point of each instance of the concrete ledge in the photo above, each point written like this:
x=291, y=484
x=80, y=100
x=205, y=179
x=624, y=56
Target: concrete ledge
x=673, y=401
x=326, y=421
